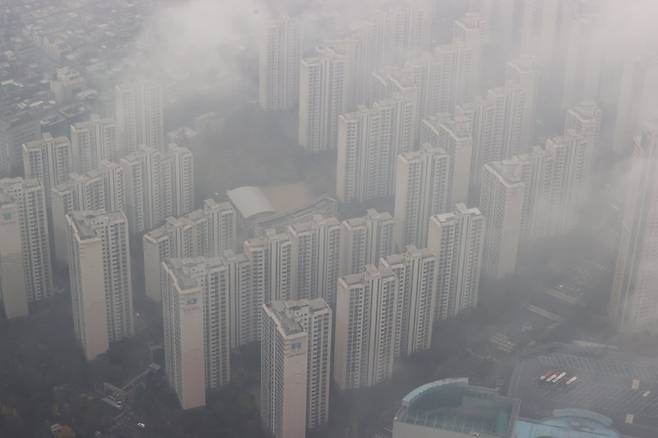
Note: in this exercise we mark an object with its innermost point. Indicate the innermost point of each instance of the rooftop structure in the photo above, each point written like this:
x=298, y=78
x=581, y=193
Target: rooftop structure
x=568, y=423
x=250, y=202
x=455, y=406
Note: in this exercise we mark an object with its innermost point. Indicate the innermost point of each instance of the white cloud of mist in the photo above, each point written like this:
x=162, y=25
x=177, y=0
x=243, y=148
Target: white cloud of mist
x=206, y=42
x=629, y=25
x=211, y=45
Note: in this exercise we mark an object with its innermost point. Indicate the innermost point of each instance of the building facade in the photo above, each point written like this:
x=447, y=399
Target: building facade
x=416, y=273
x=280, y=53
x=211, y=277
x=634, y=301
x=366, y=321
x=205, y=232
x=457, y=241
x=101, y=282
x=139, y=112
x=93, y=141
x=501, y=202
x=365, y=240
x=321, y=99
x=369, y=140
x=284, y=373
x=29, y=196
x=422, y=186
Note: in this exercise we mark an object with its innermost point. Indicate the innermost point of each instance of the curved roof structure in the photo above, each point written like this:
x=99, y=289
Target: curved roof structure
x=453, y=405
x=250, y=202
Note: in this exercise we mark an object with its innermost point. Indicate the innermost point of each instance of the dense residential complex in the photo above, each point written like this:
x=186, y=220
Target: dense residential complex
x=206, y=232
x=102, y=188
x=409, y=190
x=158, y=185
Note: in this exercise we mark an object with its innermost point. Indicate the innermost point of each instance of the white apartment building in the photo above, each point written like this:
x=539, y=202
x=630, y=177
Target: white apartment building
x=205, y=232
x=280, y=52
x=454, y=136
x=28, y=194
x=407, y=27
x=363, y=48
x=365, y=334
x=365, y=240
x=369, y=140
x=98, y=189
x=416, y=273
x=503, y=119
x=48, y=160
x=284, y=373
x=101, y=284
x=184, y=330
x=422, y=189
x=315, y=318
x=211, y=276
x=158, y=185
x=583, y=62
x=636, y=104
x=12, y=269
x=270, y=256
x=139, y=112
x=93, y=141
x=457, y=241
x=501, y=202
x=321, y=99
x=634, y=300
x=178, y=178
x=315, y=247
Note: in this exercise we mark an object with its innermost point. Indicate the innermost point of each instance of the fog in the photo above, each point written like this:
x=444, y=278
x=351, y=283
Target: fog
x=205, y=54
x=209, y=41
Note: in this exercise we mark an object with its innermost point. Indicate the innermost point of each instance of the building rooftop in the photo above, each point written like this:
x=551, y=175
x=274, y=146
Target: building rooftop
x=250, y=202
x=323, y=206
x=285, y=318
x=567, y=423
x=288, y=316
x=86, y=222
x=453, y=405
x=509, y=171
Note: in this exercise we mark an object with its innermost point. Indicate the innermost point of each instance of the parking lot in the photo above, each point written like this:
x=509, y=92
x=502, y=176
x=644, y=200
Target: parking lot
x=622, y=387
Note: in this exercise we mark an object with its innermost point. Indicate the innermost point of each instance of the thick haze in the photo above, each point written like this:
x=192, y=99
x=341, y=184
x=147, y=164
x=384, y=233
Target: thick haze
x=629, y=26
x=208, y=40
x=211, y=46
